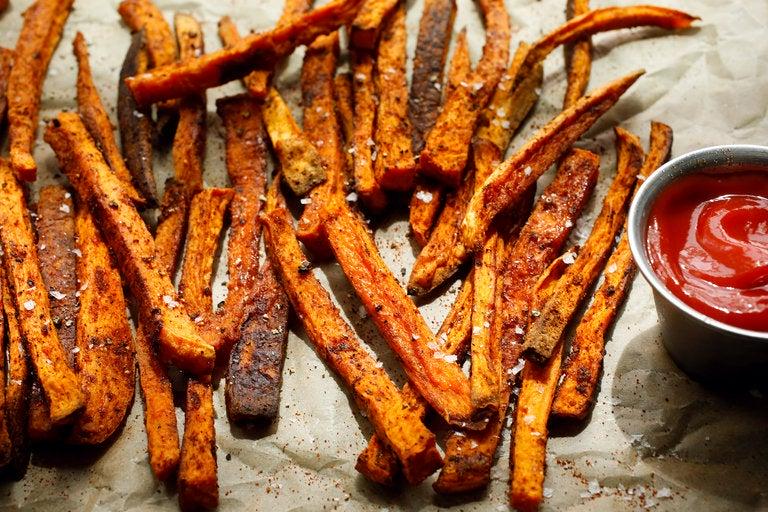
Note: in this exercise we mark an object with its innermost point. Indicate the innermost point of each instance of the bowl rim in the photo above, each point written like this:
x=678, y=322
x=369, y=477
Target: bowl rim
x=637, y=220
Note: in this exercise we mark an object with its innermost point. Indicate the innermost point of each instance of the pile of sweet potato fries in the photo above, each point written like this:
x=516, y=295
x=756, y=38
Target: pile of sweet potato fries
x=73, y=260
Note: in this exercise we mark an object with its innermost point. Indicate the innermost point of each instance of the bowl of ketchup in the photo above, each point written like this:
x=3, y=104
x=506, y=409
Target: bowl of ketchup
x=698, y=230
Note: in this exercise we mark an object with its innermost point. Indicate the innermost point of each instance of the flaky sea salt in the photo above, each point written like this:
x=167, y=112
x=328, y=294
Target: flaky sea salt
x=611, y=268
x=57, y=294
x=548, y=492
x=519, y=330
x=172, y=304
x=64, y=208
x=352, y=197
x=568, y=223
x=529, y=418
x=518, y=367
x=77, y=253
x=305, y=200
x=528, y=170
x=569, y=258
x=424, y=196
x=30, y=305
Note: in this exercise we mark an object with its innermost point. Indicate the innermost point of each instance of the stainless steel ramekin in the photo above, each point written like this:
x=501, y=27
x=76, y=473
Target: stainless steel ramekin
x=703, y=347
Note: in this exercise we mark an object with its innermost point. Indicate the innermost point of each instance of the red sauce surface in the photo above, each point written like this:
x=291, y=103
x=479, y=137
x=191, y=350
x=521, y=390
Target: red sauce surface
x=708, y=241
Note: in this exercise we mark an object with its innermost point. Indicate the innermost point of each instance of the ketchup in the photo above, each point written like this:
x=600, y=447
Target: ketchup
x=708, y=242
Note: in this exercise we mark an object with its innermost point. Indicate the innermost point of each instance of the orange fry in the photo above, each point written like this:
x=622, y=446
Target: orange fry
x=6, y=443
x=40, y=34
x=145, y=15
x=579, y=59
x=345, y=110
x=6, y=60
x=368, y=22
x=192, y=76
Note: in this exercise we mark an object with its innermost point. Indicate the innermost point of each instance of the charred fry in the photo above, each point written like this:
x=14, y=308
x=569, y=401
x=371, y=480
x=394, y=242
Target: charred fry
x=144, y=15
x=131, y=243
x=190, y=77
x=40, y=34
x=368, y=22
x=395, y=423
x=60, y=384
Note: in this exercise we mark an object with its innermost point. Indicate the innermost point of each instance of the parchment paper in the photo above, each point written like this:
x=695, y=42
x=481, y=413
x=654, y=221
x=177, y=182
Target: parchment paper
x=655, y=439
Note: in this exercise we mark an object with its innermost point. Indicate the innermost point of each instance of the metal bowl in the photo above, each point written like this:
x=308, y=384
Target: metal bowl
x=703, y=347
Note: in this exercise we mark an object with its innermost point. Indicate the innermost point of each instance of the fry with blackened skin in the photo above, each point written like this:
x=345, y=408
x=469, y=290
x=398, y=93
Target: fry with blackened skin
x=55, y=226
x=96, y=119
x=436, y=377
x=576, y=390
x=257, y=82
x=395, y=167
x=60, y=384
x=214, y=69
x=363, y=148
x=369, y=21
x=500, y=191
x=104, y=358
x=469, y=455
x=6, y=60
x=321, y=126
x=429, y=195
x=136, y=130
x=579, y=59
x=336, y=343
x=40, y=34
x=189, y=141
x=131, y=243
x=17, y=384
x=548, y=326
x=145, y=15
x=377, y=462
x=198, y=482
x=447, y=146
x=246, y=153
x=300, y=162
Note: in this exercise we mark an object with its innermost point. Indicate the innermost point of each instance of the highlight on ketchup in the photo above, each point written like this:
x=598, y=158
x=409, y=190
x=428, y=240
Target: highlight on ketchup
x=708, y=242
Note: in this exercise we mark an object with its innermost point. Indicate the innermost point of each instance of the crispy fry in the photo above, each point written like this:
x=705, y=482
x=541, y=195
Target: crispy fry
x=192, y=76
x=189, y=141
x=439, y=381
x=17, y=385
x=198, y=483
x=254, y=374
x=581, y=371
x=395, y=167
x=546, y=330
x=345, y=111
x=6, y=443
x=429, y=195
x=6, y=60
x=40, y=34
x=131, y=244
x=445, y=152
x=369, y=21
x=145, y=15
x=321, y=126
x=22, y=266
x=136, y=131
x=377, y=462
x=579, y=59
x=247, y=168
x=104, y=358
x=300, y=162
x=55, y=226
x=335, y=341
x=257, y=82
x=96, y=119
x=368, y=189
x=469, y=455
x=500, y=191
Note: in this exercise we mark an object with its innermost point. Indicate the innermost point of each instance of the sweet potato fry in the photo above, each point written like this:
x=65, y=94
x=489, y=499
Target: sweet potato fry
x=335, y=342
x=40, y=34
x=429, y=195
x=447, y=145
x=395, y=167
x=345, y=111
x=145, y=15
x=6, y=444
x=547, y=328
x=131, y=244
x=246, y=152
x=136, y=130
x=257, y=82
x=437, y=379
x=367, y=188
x=369, y=21
x=377, y=462
x=254, y=374
x=55, y=226
x=500, y=191
x=579, y=59
x=17, y=385
x=104, y=353
x=96, y=119
x=469, y=455
x=300, y=162
x=321, y=126
x=581, y=371
x=6, y=60
x=60, y=384
x=192, y=76
x=189, y=141
x=198, y=482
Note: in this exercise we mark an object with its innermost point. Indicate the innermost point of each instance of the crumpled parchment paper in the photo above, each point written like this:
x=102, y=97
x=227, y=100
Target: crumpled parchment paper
x=656, y=439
